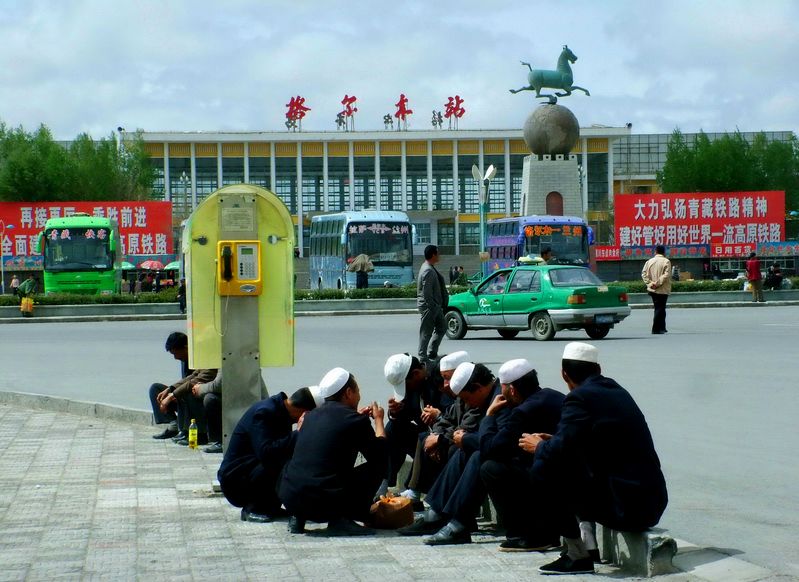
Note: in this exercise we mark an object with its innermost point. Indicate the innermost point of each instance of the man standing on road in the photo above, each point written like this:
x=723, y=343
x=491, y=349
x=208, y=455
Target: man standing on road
x=657, y=276
x=755, y=278
x=431, y=300
x=600, y=465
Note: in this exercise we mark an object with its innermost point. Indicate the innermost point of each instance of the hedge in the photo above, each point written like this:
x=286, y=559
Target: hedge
x=169, y=295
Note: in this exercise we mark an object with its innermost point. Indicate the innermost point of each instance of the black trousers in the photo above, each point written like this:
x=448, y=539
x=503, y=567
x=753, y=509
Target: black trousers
x=212, y=406
x=659, y=319
x=158, y=416
x=458, y=492
x=253, y=486
x=521, y=505
x=401, y=436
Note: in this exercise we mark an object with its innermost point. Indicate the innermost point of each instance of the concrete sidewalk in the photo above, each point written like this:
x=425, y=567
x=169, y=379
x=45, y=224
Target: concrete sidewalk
x=84, y=498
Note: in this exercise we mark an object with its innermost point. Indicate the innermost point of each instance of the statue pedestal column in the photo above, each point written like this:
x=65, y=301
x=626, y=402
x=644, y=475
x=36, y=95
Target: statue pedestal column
x=542, y=175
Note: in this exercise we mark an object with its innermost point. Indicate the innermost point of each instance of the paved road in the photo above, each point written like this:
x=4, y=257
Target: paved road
x=718, y=392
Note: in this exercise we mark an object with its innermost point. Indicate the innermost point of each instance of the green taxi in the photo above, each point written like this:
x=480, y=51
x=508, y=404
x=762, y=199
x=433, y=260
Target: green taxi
x=542, y=298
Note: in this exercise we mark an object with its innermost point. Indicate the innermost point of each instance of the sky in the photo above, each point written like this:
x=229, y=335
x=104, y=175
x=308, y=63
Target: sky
x=176, y=65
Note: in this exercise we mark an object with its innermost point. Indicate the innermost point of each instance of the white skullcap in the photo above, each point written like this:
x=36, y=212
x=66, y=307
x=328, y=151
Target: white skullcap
x=512, y=370
x=333, y=381
x=581, y=352
x=461, y=377
x=317, y=395
x=453, y=360
x=396, y=370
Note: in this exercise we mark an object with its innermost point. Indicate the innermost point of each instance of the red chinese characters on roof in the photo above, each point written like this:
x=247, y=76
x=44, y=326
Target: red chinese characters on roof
x=349, y=105
x=402, y=112
x=454, y=107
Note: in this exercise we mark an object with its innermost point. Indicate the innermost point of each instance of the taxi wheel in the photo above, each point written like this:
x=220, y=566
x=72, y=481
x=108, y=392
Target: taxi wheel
x=597, y=331
x=542, y=327
x=455, y=325
x=508, y=333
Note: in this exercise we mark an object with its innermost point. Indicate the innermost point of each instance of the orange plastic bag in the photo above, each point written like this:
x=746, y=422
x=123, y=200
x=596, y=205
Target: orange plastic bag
x=26, y=306
x=391, y=512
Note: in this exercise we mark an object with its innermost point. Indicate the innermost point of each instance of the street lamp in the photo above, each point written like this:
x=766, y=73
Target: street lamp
x=3, y=255
x=185, y=181
x=483, y=182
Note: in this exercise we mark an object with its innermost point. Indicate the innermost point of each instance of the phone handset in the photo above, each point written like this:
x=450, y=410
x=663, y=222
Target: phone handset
x=227, y=263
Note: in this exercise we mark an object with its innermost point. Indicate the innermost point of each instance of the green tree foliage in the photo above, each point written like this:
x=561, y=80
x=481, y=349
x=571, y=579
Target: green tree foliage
x=34, y=167
x=730, y=163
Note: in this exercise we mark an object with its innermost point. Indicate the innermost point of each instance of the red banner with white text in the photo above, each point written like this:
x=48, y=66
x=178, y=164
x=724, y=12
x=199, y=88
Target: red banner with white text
x=145, y=227
x=732, y=223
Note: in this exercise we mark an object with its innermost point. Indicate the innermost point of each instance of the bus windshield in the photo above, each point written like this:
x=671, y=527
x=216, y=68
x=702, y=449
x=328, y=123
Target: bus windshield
x=568, y=248
x=387, y=244
x=77, y=249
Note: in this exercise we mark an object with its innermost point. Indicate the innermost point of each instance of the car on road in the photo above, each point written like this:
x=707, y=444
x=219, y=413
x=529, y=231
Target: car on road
x=542, y=298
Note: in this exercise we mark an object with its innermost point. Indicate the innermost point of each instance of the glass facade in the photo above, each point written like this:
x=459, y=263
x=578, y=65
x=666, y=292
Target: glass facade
x=159, y=181
x=180, y=185
x=416, y=182
x=496, y=191
x=516, y=168
x=312, y=185
x=443, y=195
x=338, y=182
x=232, y=171
x=286, y=182
x=259, y=172
x=597, y=181
x=364, y=182
x=468, y=189
x=390, y=183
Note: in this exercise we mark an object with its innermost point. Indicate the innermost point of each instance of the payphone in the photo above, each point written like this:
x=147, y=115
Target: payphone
x=239, y=267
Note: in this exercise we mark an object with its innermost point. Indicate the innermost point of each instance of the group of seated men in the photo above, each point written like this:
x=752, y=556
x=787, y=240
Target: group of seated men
x=553, y=464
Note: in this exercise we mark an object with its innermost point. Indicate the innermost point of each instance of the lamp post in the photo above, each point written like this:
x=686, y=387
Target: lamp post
x=185, y=181
x=483, y=183
x=3, y=255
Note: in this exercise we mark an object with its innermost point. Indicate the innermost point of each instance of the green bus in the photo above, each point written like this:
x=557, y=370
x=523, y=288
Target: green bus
x=81, y=254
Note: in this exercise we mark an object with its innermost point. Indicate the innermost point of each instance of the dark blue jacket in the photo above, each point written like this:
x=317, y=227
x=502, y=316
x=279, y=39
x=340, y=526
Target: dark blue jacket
x=315, y=480
x=499, y=436
x=262, y=435
x=603, y=431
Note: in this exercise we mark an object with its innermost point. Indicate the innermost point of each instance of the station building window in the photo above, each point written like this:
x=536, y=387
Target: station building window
x=468, y=188
x=516, y=169
x=159, y=181
x=207, y=177
x=422, y=233
x=390, y=183
x=496, y=190
x=416, y=182
x=259, y=172
x=364, y=190
x=312, y=184
x=232, y=171
x=286, y=182
x=443, y=196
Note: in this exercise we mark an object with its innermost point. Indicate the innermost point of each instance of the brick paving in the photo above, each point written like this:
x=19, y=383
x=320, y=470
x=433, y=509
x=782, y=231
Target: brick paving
x=86, y=498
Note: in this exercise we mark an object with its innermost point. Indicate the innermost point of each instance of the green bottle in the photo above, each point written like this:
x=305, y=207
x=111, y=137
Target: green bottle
x=193, y=434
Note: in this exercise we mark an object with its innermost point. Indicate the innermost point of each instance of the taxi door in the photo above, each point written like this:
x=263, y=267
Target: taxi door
x=490, y=295
x=523, y=297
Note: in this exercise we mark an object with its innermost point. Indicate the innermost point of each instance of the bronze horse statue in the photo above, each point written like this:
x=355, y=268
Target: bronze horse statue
x=562, y=78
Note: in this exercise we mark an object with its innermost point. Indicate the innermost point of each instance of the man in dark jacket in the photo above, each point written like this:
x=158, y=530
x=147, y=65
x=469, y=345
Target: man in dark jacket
x=417, y=401
x=457, y=492
x=320, y=482
x=431, y=300
x=600, y=464
x=259, y=447
x=505, y=466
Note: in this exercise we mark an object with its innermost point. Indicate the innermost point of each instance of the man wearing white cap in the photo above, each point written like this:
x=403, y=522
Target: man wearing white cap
x=259, y=447
x=505, y=466
x=458, y=492
x=600, y=465
x=413, y=407
x=320, y=482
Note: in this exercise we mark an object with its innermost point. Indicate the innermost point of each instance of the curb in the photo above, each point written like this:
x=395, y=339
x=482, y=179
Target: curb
x=78, y=407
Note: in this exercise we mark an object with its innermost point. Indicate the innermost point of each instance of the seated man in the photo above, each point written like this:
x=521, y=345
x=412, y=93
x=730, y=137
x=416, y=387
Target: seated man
x=416, y=404
x=457, y=493
x=321, y=482
x=600, y=465
x=505, y=466
x=259, y=447
x=177, y=344
x=179, y=397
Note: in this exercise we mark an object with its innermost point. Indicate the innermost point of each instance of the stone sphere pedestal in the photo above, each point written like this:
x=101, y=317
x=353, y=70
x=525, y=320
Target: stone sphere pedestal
x=551, y=130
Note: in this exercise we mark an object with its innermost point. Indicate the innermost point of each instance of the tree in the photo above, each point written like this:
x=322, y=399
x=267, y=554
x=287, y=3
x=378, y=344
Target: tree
x=34, y=167
x=730, y=163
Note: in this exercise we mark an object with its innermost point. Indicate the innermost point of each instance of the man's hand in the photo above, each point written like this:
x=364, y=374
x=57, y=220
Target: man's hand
x=395, y=406
x=497, y=404
x=529, y=442
x=365, y=410
x=301, y=420
x=161, y=395
x=431, y=447
x=377, y=412
x=457, y=437
x=195, y=390
x=430, y=415
x=166, y=402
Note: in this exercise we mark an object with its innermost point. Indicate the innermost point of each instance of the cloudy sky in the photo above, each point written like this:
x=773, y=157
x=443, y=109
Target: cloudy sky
x=174, y=65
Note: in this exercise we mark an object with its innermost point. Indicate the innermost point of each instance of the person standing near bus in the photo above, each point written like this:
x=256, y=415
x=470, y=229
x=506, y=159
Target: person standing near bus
x=431, y=300
x=657, y=276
